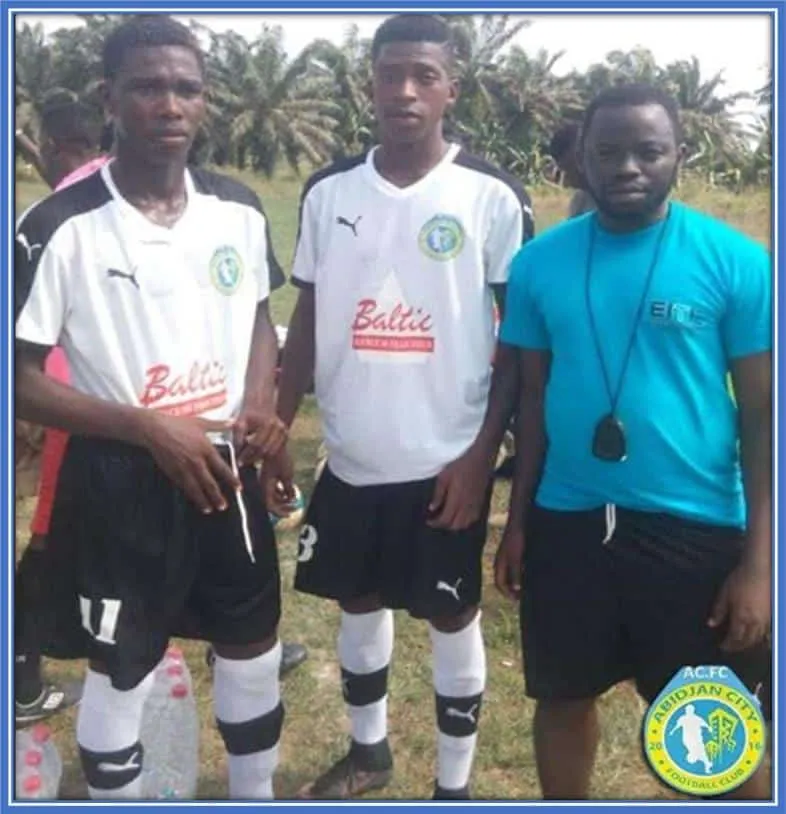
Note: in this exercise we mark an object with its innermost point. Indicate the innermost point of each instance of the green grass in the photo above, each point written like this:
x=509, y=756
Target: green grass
x=316, y=730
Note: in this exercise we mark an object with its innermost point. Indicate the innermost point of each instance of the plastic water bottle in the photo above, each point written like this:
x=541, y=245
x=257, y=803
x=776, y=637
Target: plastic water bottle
x=39, y=767
x=170, y=733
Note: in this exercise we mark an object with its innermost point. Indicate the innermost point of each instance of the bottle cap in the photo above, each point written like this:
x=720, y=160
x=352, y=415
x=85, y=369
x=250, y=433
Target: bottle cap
x=32, y=783
x=180, y=690
x=41, y=733
x=174, y=670
x=33, y=757
x=174, y=653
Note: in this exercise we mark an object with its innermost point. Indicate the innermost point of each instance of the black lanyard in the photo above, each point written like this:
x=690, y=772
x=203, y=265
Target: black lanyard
x=614, y=395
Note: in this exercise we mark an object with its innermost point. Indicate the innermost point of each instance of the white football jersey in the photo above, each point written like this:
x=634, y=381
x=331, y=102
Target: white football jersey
x=148, y=316
x=404, y=308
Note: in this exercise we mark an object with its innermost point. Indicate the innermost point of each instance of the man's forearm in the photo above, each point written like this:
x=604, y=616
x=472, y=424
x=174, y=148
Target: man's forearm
x=756, y=457
x=260, y=383
x=503, y=396
x=297, y=370
x=530, y=453
x=42, y=400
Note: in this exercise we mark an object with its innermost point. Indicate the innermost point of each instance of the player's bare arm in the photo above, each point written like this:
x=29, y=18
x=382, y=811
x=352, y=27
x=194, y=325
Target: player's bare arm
x=259, y=433
x=297, y=368
x=180, y=446
x=461, y=487
x=745, y=601
x=297, y=373
x=533, y=374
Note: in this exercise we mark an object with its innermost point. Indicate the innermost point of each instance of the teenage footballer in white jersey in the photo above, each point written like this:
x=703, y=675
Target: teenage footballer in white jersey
x=155, y=279
x=398, y=257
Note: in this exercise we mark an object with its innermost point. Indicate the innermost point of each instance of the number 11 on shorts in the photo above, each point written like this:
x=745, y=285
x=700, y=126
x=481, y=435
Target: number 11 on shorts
x=107, y=625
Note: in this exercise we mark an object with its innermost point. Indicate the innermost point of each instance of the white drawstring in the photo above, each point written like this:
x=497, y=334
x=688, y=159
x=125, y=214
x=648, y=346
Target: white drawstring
x=611, y=522
x=239, y=498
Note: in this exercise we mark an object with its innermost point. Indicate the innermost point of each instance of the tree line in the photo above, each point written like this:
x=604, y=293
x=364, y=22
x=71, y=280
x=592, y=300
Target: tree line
x=267, y=108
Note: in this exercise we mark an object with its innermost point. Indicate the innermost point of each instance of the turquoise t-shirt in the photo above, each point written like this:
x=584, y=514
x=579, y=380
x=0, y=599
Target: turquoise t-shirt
x=709, y=302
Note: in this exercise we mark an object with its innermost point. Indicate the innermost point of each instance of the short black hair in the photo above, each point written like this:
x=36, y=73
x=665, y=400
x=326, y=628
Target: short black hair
x=564, y=140
x=107, y=138
x=69, y=121
x=145, y=30
x=413, y=28
x=633, y=95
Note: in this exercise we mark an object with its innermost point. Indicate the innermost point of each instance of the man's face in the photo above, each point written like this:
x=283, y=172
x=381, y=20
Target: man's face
x=412, y=88
x=630, y=160
x=157, y=102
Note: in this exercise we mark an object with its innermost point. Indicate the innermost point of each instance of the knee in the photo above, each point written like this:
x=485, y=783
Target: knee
x=242, y=652
x=247, y=701
x=566, y=713
x=365, y=640
x=453, y=624
x=365, y=604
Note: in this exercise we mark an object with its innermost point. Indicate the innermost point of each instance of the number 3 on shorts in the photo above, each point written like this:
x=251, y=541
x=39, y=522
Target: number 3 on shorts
x=308, y=539
x=107, y=626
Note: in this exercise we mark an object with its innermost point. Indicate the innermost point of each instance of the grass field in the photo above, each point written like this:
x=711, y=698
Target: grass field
x=315, y=730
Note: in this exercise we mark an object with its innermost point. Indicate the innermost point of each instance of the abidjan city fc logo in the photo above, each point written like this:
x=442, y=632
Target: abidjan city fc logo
x=704, y=734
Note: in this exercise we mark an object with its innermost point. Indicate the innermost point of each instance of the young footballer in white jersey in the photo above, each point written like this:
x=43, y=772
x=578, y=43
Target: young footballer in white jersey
x=154, y=279
x=399, y=255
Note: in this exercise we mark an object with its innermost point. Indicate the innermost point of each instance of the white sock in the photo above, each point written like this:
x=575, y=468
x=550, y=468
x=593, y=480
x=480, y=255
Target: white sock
x=365, y=646
x=107, y=731
x=459, y=661
x=248, y=709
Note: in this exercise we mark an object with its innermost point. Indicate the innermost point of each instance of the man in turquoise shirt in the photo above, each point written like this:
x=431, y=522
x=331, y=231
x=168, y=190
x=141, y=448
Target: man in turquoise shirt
x=639, y=537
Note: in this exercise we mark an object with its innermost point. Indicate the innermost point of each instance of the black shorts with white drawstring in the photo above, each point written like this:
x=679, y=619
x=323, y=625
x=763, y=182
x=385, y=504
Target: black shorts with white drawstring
x=613, y=594
x=131, y=562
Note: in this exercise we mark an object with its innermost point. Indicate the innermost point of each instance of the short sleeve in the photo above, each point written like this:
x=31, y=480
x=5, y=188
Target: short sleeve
x=275, y=274
x=40, y=282
x=512, y=226
x=267, y=269
x=269, y=274
x=523, y=325
x=747, y=323
x=304, y=269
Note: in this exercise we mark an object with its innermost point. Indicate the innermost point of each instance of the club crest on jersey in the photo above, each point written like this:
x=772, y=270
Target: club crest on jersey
x=226, y=269
x=442, y=237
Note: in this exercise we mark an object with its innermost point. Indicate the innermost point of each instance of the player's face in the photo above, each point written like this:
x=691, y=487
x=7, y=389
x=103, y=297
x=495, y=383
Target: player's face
x=157, y=102
x=630, y=160
x=412, y=88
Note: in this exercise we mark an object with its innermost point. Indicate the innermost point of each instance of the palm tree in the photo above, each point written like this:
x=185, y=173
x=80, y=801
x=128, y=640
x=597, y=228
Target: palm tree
x=710, y=127
x=33, y=76
x=479, y=43
x=264, y=108
x=344, y=73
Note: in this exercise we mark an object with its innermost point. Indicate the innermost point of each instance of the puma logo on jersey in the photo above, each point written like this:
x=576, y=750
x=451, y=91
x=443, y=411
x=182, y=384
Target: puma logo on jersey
x=469, y=715
x=307, y=540
x=124, y=275
x=21, y=239
x=132, y=764
x=341, y=221
x=448, y=588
